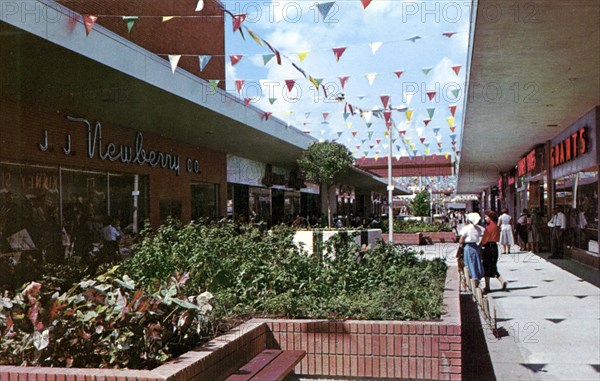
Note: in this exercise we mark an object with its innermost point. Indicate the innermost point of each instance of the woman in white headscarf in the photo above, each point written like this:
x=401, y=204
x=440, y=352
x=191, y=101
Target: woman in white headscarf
x=470, y=235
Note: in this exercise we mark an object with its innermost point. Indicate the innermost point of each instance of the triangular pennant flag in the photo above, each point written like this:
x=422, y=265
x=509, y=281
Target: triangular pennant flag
x=369, y=125
x=348, y=125
x=363, y=141
x=302, y=55
x=239, y=84
x=174, y=60
x=430, y=112
x=370, y=134
x=130, y=20
x=450, y=121
x=343, y=81
x=366, y=152
x=204, y=60
x=213, y=84
x=430, y=95
x=402, y=132
x=426, y=122
x=367, y=115
x=290, y=84
x=436, y=130
x=266, y=115
x=456, y=69
x=315, y=81
x=272, y=100
x=375, y=46
x=398, y=73
x=448, y=34
x=426, y=70
x=325, y=115
x=324, y=8
x=387, y=115
x=255, y=37
x=413, y=38
x=168, y=18
x=453, y=137
x=407, y=140
x=452, y=109
x=200, y=5
x=426, y=145
x=408, y=97
x=275, y=51
x=453, y=128
x=385, y=100
x=409, y=114
x=438, y=138
x=247, y=101
x=338, y=52
x=365, y=3
x=89, y=21
x=371, y=77
x=267, y=58
x=422, y=140
x=354, y=133
x=388, y=124
x=455, y=92
x=339, y=133
x=377, y=141
x=235, y=58
x=420, y=131
x=237, y=21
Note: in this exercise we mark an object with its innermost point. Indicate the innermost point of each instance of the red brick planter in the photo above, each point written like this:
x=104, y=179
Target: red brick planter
x=427, y=350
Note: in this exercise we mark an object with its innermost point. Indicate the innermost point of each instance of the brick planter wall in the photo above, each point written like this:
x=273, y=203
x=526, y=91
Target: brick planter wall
x=354, y=348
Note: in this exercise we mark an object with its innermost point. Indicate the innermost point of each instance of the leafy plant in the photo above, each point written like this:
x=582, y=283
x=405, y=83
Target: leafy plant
x=421, y=206
x=322, y=162
x=103, y=322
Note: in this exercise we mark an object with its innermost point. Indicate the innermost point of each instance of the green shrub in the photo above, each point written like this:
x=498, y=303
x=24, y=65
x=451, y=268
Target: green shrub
x=104, y=322
x=420, y=227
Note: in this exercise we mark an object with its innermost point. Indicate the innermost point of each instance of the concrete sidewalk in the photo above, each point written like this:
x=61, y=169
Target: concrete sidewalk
x=549, y=317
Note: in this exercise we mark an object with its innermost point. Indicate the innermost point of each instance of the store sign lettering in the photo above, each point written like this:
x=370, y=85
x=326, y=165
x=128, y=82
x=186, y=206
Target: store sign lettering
x=527, y=164
x=570, y=148
x=134, y=153
x=30, y=181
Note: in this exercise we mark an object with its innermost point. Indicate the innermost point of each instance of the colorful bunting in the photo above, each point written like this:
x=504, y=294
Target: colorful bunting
x=343, y=81
x=450, y=121
x=365, y=3
x=426, y=122
x=302, y=55
x=235, y=59
x=338, y=52
x=200, y=5
x=449, y=34
x=272, y=100
x=290, y=84
x=413, y=38
x=168, y=18
x=375, y=46
x=255, y=37
x=130, y=20
x=385, y=100
x=452, y=109
x=371, y=78
x=431, y=95
x=213, y=84
x=398, y=73
x=456, y=69
x=409, y=114
x=239, y=84
x=267, y=58
x=174, y=60
x=204, y=60
x=430, y=112
x=387, y=115
x=324, y=8
x=237, y=21
x=89, y=21
x=426, y=70
x=266, y=115
x=455, y=92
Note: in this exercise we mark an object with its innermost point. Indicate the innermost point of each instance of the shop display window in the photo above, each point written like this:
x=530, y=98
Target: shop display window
x=578, y=196
x=259, y=204
x=205, y=201
x=29, y=208
x=291, y=205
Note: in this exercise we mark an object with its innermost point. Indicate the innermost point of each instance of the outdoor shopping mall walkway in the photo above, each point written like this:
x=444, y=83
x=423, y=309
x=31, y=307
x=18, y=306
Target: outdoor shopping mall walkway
x=549, y=319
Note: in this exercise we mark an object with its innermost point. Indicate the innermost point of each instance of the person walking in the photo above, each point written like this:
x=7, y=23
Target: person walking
x=470, y=235
x=521, y=229
x=506, y=233
x=489, y=251
x=534, y=230
x=558, y=225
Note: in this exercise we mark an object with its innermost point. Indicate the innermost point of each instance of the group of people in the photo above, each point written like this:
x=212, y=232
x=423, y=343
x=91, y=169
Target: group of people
x=480, y=248
x=480, y=245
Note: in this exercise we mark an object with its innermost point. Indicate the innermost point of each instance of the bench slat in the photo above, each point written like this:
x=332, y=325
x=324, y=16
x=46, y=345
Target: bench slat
x=254, y=366
x=280, y=367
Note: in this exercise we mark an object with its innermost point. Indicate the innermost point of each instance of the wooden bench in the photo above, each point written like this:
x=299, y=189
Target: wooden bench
x=268, y=365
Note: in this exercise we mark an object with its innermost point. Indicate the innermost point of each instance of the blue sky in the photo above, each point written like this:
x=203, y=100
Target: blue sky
x=294, y=27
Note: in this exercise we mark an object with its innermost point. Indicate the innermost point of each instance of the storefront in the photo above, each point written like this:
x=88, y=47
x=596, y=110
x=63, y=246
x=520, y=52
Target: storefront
x=573, y=157
x=259, y=192
x=62, y=178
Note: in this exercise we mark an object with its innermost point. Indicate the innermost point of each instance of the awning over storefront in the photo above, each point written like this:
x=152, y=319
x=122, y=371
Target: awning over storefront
x=49, y=63
x=533, y=72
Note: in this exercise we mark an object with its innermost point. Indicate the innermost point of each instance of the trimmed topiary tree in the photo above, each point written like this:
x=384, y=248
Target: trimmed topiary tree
x=322, y=162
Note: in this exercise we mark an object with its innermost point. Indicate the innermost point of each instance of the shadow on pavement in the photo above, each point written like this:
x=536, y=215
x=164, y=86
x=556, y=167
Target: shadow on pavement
x=584, y=272
x=477, y=364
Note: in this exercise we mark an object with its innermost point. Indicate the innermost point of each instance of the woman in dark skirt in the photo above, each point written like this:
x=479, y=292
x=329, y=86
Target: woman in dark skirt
x=489, y=250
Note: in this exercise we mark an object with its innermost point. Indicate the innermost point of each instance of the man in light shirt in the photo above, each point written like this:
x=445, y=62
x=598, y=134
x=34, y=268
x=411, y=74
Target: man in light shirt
x=558, y=225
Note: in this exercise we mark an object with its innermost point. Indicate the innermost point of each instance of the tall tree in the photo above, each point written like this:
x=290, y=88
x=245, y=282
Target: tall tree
x=321, y=163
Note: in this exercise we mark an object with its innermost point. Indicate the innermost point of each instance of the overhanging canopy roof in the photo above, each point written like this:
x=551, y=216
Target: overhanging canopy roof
x=47, y=63
x=534, y=70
